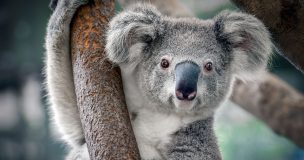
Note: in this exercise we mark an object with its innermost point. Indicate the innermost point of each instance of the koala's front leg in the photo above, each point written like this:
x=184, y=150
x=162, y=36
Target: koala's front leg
x=197, y=141
x=59, y=78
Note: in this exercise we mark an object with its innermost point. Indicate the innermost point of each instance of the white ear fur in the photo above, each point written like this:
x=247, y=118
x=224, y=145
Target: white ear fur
x=248, y=41
x=130, y=32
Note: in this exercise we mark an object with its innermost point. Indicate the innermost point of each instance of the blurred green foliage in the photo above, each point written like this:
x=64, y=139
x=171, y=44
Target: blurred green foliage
x=253, y=141
x=209, y=14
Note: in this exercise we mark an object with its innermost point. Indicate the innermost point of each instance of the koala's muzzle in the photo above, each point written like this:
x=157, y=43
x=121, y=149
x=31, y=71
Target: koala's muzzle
x=186, y=77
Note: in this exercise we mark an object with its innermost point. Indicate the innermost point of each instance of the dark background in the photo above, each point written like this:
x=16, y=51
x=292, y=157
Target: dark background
x=24, y=122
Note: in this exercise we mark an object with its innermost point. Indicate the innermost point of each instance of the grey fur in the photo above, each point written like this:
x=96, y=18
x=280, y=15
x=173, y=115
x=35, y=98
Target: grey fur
x=238, y=44
x=196, y=141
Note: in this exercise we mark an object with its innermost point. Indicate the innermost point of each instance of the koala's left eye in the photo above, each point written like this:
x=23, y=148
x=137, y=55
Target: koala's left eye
x=208, y=66
x=164, y=63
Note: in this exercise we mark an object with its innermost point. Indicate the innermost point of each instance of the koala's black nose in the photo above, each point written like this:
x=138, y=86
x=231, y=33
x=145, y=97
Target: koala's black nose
x=186, y=76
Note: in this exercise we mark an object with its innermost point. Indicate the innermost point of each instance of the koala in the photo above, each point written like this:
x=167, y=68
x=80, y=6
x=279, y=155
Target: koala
x=176, y=72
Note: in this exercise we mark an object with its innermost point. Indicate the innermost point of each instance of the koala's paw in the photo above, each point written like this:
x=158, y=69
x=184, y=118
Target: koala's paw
x=53, y=4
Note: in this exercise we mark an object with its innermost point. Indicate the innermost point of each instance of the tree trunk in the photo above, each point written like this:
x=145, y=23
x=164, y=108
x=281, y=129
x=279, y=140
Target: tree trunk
x=284, y=18
x=100, y=98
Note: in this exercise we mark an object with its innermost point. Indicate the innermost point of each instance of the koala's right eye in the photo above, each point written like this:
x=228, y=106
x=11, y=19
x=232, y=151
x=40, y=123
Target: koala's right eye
x=164, y=63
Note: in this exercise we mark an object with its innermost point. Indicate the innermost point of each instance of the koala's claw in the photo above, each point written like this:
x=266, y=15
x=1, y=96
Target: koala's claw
x=53, y=4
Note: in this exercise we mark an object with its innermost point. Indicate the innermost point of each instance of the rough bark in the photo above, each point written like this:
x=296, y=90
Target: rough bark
x=100, y=98
x=284, y=18
x=276, y=103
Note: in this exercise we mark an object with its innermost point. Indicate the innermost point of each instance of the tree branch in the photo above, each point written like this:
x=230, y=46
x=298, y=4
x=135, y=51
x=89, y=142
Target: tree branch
x=284, y=18
x=99, y=91
x=274, y=102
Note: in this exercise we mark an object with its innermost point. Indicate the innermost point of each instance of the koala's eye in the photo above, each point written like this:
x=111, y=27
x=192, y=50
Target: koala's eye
x=208, y=66
x=164, y=63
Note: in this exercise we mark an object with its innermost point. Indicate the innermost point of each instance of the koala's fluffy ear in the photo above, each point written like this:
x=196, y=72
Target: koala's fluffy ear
x=246, y=39
x=131, y=31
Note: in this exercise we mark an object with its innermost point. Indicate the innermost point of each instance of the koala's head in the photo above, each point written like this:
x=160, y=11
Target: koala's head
x=187, y=65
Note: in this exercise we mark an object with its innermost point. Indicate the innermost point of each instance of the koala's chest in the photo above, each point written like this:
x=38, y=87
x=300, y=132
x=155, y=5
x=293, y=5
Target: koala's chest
x=153, y=132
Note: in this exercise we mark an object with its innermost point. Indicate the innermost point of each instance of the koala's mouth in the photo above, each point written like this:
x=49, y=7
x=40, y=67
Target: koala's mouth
x=182, y=105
